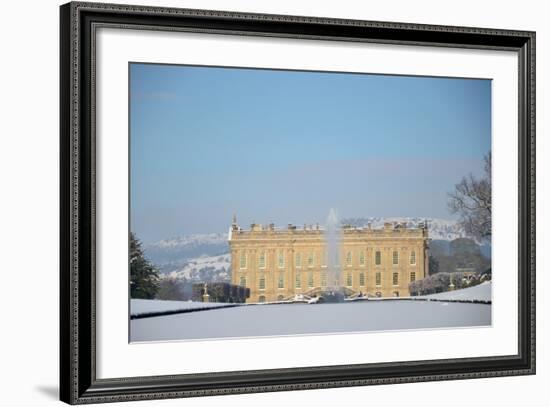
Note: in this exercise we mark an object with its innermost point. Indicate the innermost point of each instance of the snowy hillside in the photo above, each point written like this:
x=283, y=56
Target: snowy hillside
x=439, y=229
x=173, y=254
x=190, y=241
x=211, y=268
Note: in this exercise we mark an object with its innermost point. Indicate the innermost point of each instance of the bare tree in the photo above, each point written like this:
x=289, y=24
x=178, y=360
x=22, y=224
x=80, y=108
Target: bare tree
x=471, y=200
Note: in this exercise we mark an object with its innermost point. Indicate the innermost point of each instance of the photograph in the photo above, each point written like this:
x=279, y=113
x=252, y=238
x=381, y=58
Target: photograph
x=272, y=202
x=293, y=200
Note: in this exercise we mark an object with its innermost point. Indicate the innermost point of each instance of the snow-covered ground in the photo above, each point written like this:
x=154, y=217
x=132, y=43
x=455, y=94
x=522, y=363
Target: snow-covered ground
x=142, y=307
x=296, y=319
x=481, y=292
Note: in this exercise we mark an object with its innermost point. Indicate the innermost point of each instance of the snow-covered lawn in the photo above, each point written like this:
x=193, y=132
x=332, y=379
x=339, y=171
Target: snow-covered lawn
x=481, y=292
x=144, y=307
x=296, y=319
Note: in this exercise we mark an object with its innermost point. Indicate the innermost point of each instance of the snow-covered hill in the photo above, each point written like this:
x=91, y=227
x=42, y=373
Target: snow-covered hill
x=212, y=268
x=172, y=254
x=191, y=241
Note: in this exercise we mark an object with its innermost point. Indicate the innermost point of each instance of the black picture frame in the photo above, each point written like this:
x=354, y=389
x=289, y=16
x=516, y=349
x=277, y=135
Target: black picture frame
x=78, y=381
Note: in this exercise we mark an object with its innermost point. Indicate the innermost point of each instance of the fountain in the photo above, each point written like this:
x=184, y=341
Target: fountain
x=333, y=292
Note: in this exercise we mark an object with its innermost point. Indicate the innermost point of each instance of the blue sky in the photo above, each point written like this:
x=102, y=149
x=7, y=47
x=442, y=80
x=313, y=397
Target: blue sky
x=286, y=146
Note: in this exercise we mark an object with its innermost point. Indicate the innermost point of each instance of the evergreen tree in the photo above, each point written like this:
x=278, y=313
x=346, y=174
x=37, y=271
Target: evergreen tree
x=144, y=277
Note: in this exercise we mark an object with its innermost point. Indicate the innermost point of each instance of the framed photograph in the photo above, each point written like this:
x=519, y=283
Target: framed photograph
x=254, y=203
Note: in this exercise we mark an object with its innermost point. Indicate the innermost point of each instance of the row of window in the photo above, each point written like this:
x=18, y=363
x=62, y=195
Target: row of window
x=310, y=260
x=310, y=280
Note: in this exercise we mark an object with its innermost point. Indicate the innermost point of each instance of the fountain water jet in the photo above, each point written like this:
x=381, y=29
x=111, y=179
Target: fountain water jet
x=334, y=291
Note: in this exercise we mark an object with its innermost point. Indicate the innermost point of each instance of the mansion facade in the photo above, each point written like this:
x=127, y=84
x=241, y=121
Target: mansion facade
x=277, y=264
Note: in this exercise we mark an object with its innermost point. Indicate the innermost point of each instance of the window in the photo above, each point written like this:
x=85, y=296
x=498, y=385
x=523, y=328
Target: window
x=261, y=282
x=413, y=276
x=378, y=278
x=395, y=257
x=395, y=278
x=281, y=282
x=325, y=259
x=362, y=258
x=324, y=279
x=298, y=282
x=378, y=258
x=362, y=279
x=348, y=259
x=349, y=280
x=243, y=281
x=310, y=260
x=413, y=258
x=298, y=260
x=280, y=298
x=281, y=260
x=242, y=261
x=261, y=261
x=261, y=298
x=310, y=279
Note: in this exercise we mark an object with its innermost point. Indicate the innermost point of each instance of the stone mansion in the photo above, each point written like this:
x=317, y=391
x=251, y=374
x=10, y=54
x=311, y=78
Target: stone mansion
x=278, y=263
